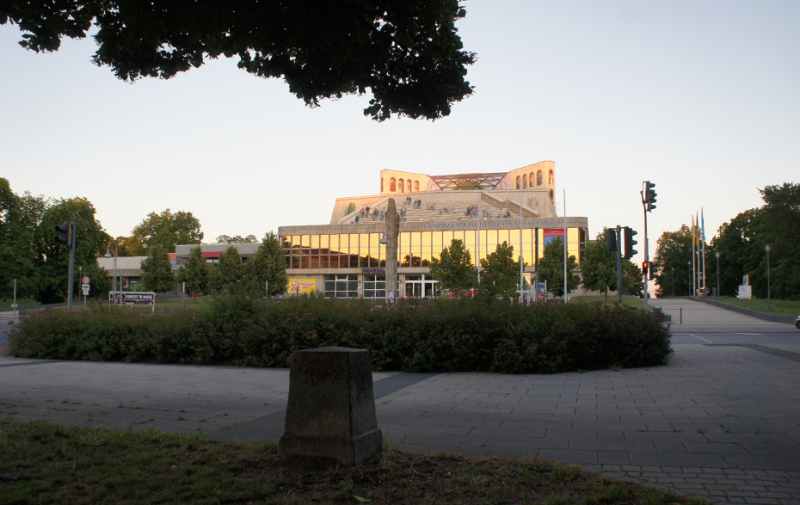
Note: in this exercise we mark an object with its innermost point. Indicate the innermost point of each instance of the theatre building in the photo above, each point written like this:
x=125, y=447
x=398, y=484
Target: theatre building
x=346, y=258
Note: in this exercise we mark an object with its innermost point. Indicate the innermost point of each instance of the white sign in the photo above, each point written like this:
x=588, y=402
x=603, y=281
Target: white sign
x=85, y=289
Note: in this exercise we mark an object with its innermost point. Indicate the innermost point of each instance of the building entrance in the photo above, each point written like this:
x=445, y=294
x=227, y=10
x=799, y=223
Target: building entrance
x=421, y=286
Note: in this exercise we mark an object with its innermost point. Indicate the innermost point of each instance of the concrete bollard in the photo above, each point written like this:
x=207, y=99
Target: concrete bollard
x=331, y=408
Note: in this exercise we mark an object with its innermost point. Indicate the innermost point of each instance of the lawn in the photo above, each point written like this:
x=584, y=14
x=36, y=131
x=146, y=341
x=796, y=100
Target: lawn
x=778, y=307
x=56, y=464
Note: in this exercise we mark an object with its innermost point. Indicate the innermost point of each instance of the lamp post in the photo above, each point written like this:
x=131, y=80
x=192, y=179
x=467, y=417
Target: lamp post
x=108, y=255
x=673, y=282
x=717, y=255
x=769, y=300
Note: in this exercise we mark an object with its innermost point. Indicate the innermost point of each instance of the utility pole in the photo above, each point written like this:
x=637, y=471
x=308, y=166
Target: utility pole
x=648, y=204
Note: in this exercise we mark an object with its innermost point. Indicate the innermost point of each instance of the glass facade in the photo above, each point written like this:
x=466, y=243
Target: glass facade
x=417, y=248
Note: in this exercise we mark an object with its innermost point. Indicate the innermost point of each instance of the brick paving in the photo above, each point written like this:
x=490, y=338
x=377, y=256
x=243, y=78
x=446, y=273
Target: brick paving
x=720, y=422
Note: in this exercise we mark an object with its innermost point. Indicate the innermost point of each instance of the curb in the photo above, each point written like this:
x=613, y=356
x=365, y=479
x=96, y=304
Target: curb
x=748, y=312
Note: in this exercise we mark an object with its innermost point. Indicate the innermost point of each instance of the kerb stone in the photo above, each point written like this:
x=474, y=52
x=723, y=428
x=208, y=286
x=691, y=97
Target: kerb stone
x=331, y=408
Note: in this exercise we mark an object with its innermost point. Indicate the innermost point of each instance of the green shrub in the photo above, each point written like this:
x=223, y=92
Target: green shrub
x=443, y=335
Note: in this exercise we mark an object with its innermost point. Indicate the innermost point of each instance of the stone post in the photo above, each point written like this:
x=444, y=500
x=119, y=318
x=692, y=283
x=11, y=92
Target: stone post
x=331, y=408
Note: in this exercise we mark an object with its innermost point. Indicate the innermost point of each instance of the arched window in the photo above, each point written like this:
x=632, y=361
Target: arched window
x=416, y=185
x=392, y=185
x=524, y=181
x=381, y=184
x=408, y=185
x=519, y=183
x=401, y=185
x=539, y=178
x=532, y=180
x=551, y=178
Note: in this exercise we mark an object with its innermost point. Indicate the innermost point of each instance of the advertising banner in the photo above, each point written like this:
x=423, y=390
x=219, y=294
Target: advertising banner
x=551, y=234
x=302, y=286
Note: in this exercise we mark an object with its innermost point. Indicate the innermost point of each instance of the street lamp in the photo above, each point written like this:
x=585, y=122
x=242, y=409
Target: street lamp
x=717, y=254
x=108, y=255
x=769, y=300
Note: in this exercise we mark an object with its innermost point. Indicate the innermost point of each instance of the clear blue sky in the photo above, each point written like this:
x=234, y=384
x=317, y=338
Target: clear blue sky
x=700, y=97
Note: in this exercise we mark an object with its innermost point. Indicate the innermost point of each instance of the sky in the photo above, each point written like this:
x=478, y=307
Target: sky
x=700, y=97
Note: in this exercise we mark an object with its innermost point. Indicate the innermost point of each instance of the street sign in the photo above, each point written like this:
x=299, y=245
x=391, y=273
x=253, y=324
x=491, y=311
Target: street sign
x=85, y=289
x=86, y=280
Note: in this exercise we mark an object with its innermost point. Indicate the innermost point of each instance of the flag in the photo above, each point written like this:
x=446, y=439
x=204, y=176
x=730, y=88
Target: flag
x=703, y=227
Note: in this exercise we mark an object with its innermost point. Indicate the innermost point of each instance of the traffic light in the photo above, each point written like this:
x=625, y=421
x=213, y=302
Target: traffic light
x=653, y=270
x=64, y=234
x=629, y=252
x=644, y=267
x=650, y=195
x=611, y=240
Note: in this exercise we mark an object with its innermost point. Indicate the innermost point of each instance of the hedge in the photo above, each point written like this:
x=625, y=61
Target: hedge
x=441, y=336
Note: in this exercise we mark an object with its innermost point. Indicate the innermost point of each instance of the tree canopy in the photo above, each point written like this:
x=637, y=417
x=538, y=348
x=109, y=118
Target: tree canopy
x=157, y=271
x=165, y=229
x=500, y=273
x=268, y=264
x=454, y=267
x=408, y=54
x=551, y=268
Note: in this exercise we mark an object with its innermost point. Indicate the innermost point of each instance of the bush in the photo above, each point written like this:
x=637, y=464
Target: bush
x=439, y=336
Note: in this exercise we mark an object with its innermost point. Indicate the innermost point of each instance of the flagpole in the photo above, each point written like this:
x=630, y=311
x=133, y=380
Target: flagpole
x=694, y=271
x=703, y=235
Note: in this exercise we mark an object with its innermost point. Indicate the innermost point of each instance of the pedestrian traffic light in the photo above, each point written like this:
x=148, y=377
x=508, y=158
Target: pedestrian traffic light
x=630, y=252
x=611, y=239
x=650, y=195
x=64, y=234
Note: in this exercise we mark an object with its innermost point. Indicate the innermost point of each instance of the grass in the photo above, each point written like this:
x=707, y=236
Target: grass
x=779, y=307
x=21, y=302
x=53, y=463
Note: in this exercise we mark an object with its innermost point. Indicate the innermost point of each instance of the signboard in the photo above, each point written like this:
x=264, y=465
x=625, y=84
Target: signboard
x=552, y=234
x=86, y=280
x=85, y=289
x=132, y=298
x=302, y=286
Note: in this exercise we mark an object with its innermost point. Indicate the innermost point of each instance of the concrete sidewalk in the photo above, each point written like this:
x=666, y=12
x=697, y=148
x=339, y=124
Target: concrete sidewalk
x=720, y=422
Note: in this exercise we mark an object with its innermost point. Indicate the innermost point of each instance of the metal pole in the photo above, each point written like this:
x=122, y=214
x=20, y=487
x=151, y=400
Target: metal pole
x=619, y=266
x=646, y=251
x=566, y=284
x=478, y=256
x=520, y=246
x=16, y=309
x=769, y=299
x=73, y=236
x=717, y=254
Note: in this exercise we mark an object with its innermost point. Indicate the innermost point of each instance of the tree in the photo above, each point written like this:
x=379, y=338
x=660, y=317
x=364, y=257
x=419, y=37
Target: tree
x=674, y=258
x=237, y=239
x=407, y=53
x=157, y=271
x=780, y=228
x=500, y=274
x=454, y=268
x=599, y=266
x=268, y=264
x=52, y=271
x=551, y=268
x=230, y=265
x=19, y=217
x=195, y=272
x=165, y=229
